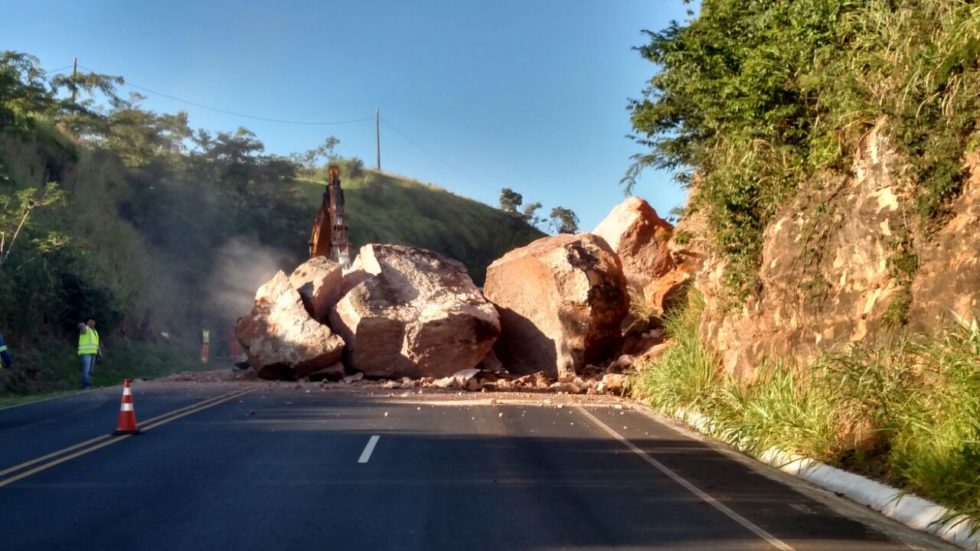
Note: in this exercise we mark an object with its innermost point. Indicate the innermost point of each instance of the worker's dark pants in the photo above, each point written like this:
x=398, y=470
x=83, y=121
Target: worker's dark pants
x=88, y=364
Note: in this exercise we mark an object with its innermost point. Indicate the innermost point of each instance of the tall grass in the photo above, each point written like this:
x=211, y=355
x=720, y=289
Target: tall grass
x=906, y=412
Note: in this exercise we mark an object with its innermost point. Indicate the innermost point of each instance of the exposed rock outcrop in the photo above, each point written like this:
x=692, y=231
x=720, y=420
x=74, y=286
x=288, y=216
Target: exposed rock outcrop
x=281, y=339
x=562, y=300
x=412, y=312
x=839, y=266
x=948, y=278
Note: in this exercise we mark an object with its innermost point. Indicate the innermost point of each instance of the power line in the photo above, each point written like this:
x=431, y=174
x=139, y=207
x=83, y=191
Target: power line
x=236, y=113
x=376, y=118
x=436, y=157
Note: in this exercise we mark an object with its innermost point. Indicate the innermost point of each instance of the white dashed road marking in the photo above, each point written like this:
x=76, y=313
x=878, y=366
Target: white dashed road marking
x=366, y=454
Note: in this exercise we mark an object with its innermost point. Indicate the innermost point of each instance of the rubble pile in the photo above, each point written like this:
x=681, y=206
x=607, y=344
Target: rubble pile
x=554, y=316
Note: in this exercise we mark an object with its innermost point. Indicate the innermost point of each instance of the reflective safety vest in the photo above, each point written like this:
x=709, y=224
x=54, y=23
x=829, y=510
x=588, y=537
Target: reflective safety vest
x=206, y=336
x=88, y=342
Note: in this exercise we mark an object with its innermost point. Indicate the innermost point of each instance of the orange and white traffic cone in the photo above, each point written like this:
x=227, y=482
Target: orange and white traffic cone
x=127, y=415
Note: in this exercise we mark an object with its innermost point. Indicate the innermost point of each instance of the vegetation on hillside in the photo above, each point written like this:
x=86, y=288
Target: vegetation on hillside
x=384, y=208
x=560, y=220
x=757, y=101
x=907, y=412
x=763, y=98
x=157, y=229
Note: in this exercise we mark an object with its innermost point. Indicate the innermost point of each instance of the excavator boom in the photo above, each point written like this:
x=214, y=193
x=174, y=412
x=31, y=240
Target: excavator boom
x=329, y=234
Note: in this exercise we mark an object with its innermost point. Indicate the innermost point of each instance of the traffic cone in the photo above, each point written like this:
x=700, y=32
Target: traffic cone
x=127, y=415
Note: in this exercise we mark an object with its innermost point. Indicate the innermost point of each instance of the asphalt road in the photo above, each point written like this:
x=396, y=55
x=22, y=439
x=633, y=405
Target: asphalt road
x=294, y=467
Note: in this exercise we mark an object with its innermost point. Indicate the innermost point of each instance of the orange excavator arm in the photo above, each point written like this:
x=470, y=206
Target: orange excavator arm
x=329, y=234
x=320, y=235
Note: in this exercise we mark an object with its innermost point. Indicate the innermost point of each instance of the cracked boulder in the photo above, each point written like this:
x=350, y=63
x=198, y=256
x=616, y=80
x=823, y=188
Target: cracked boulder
x=280, y=337
x=409, y=312
x=318, y=282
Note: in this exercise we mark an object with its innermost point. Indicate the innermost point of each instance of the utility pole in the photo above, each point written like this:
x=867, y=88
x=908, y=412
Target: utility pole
x=377, y=134
x=74, y=73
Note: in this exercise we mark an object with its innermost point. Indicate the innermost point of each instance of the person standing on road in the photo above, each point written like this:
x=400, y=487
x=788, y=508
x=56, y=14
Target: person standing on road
x=88, y=349
x=205, y=345
x=5, y=360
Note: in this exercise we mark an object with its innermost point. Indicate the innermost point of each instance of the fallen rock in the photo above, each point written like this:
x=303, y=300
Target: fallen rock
x=668, y=291
x=354, y=378
x=533, y=380
x=491, y=363
x=562, y=300
x=332, y=373
x=613, y=383
x=318, y=281
x=621, y=364
x=280, y=338
x=640, y=238
x=464, y=379
x=652, y=355
x=411, y=312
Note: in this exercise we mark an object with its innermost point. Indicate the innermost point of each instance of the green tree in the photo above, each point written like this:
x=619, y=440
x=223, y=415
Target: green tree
x=312, y=158
x=529, y=214
x=140, y=137
x=15, y=218
x=564, y=220
x=24, y=94
x=510, y=200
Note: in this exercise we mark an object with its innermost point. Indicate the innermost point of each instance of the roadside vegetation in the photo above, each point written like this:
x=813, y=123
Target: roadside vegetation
x=761, y=100
x=754, y=103
x=907, y=413
x=157, y=229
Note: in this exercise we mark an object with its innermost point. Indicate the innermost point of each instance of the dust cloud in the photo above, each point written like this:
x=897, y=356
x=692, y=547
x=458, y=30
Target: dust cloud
x=240, y=267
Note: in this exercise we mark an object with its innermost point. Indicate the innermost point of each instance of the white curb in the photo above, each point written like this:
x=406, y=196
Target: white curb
x=907, y=508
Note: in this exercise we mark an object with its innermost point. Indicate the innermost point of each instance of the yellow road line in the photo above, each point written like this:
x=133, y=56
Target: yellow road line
x=53, y=454
x=109, y=439
x=106, y=436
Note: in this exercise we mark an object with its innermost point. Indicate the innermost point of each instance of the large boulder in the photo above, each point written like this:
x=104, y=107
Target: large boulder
x=281, y=339
x=640, y=238
x=562, y=300
x=412, y=312
x=318, y=281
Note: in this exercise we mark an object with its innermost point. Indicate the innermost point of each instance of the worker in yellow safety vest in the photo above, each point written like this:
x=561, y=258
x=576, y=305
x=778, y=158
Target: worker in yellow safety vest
x=88, y=348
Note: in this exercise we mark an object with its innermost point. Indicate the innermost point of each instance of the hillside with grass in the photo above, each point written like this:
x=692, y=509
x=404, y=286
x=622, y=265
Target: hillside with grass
x=158, y=230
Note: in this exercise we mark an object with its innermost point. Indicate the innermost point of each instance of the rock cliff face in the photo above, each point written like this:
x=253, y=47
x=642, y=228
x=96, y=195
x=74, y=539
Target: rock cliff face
x=843, y=263
x=948, y=279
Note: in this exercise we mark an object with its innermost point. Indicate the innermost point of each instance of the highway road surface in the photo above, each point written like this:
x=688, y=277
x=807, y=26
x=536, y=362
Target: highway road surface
x=257, y=466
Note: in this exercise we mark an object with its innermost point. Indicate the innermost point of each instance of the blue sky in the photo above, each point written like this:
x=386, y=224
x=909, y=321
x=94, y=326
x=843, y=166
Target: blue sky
x=474, y=96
